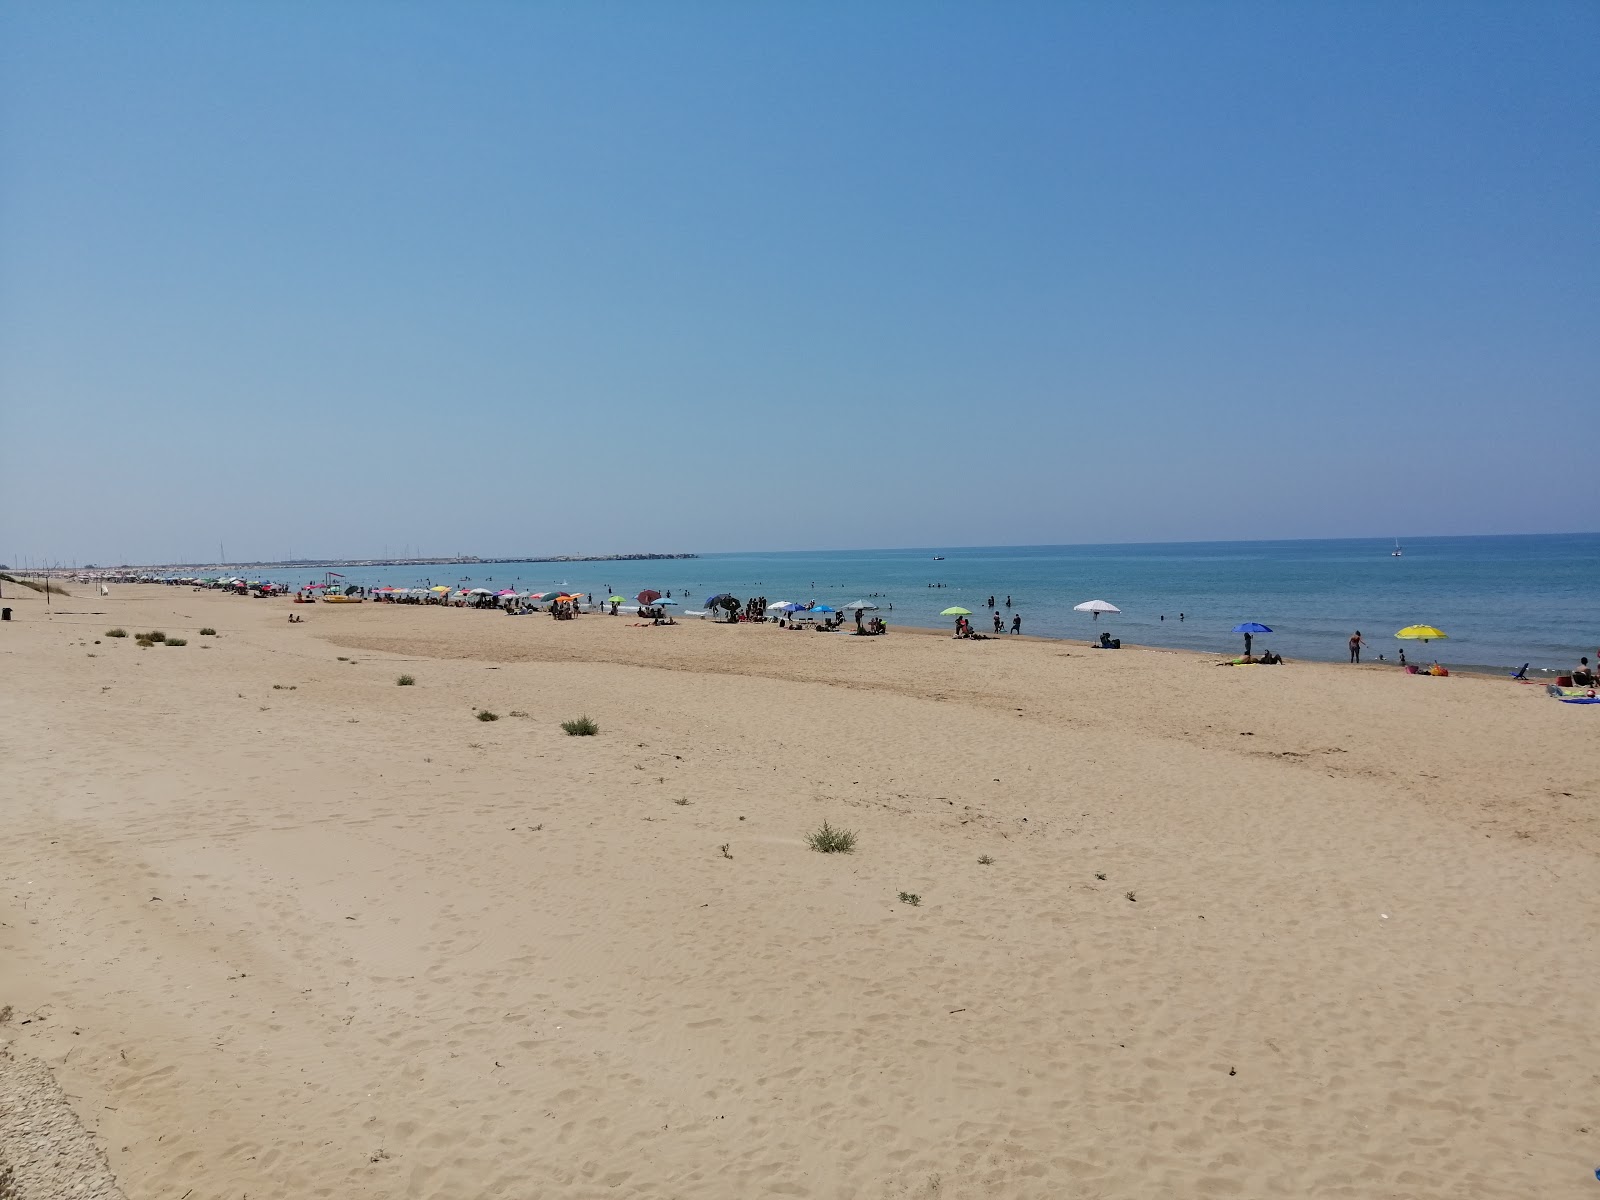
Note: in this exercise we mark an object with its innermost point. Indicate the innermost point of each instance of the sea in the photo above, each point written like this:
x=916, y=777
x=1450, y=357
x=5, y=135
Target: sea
x=1503, y=601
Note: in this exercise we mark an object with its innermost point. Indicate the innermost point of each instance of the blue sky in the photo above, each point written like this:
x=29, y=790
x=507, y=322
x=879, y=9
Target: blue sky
x=318, y=279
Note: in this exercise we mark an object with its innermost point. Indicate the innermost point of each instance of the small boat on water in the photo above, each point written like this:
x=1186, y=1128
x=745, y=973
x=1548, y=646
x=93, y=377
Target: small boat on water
x=1396, y=552
x=938, y=558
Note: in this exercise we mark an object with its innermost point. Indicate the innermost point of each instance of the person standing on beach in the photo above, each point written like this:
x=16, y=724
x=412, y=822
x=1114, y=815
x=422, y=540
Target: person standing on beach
x=1016, y=623
x=1355, y=646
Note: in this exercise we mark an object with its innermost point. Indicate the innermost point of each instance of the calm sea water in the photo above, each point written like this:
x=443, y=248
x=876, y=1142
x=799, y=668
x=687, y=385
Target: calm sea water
x=1503, y=600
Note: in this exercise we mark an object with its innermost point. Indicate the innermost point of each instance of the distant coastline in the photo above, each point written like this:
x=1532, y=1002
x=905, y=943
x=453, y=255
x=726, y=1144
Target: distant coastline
x=285, y=564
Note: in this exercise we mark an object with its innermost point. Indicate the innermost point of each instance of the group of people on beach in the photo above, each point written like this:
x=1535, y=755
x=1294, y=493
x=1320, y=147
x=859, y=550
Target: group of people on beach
x=964, y=627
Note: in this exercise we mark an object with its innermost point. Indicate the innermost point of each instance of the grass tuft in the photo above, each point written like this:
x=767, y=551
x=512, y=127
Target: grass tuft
x=405, y=681
x=828, y=840
x=985, y=859
x=118, y=632
x=582, y=727
x=910, y=898
x=485, y=715
x=155, y=635
x=177, y=641
x=208, y=632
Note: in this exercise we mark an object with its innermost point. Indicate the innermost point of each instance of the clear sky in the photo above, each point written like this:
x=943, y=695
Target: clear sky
x=316, y=279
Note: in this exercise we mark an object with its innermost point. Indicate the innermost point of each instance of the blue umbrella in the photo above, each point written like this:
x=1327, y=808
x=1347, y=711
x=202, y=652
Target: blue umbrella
x=821, y=608
x=658, y=602
x=1247, y=629
x=711, y=601
x=793, y=608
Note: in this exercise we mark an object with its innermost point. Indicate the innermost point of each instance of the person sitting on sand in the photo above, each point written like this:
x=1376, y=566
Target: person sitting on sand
x=1581, y=675
x=1269, y=659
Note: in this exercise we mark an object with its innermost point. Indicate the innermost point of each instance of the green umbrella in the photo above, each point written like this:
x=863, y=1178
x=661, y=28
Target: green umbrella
x=956, y=612
x=617, y=600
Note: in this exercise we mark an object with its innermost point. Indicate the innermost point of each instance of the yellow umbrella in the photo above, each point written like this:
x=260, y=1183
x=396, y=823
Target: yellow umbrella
x=1422, y=633
x=439, y=587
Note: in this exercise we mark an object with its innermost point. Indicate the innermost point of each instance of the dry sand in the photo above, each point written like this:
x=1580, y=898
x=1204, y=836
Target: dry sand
x=284, y=929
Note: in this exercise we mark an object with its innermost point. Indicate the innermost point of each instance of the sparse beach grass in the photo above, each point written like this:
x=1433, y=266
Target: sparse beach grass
x=828, y=840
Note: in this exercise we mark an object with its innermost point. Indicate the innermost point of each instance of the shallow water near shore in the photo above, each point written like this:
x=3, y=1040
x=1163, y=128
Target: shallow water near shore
x=1503, y=600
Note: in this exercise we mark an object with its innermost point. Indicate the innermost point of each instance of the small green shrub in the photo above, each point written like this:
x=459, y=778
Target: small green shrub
x=723, y=849
x=177, y=641
x=119, y=632
x=344, y=658
x=405, y=681
x=910, y=898
x=828, y=840
x=208, y=632
x=485, y=715
x=984, y=860
x=155, y=635
x=582, y=727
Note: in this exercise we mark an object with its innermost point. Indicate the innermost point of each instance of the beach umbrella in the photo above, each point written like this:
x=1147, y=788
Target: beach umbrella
x=648, y=596
x=658, y=602
x=716, y=601
x=794, y=608
x=440, y=587
x=506, y=592
x=1422, y=633
x=777, y=604
x=480, y=592
x=1096, y=607
x=1248, y=628
x=616, y=600
x=859, y=604
x=820, y=608
x=956, y=612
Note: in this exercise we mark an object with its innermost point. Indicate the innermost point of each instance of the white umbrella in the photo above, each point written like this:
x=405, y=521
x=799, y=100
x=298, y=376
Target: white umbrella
x=777, y=604
x=1096, y=607
x=860, y=604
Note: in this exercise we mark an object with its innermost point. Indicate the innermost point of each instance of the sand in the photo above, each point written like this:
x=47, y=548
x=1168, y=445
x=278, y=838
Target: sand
x=281, y=928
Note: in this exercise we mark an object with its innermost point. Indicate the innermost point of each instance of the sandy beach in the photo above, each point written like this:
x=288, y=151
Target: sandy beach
x=281, y=928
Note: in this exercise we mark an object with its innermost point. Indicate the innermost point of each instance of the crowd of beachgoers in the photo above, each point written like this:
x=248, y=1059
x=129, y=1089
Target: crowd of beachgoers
x=660, y=608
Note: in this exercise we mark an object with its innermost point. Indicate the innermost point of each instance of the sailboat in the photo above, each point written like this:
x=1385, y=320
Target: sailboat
x=1396, y=552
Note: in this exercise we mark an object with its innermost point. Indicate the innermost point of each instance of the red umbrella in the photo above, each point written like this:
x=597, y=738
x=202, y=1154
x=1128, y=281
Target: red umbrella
x=648, y=597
